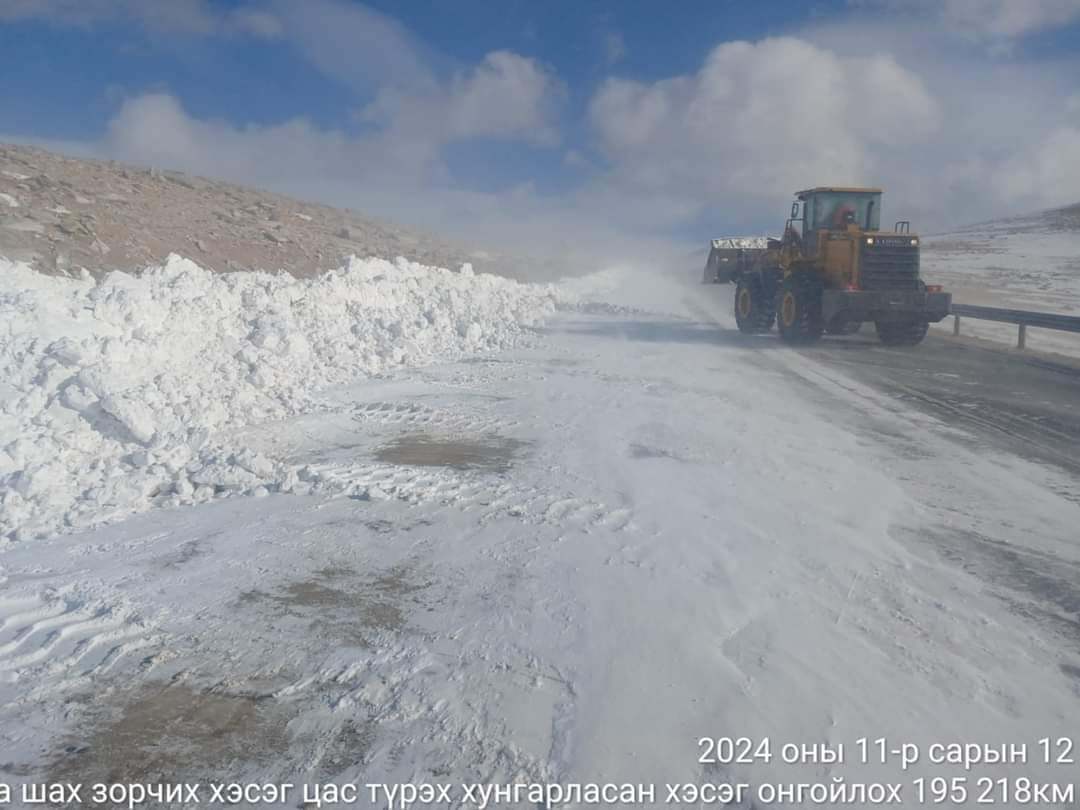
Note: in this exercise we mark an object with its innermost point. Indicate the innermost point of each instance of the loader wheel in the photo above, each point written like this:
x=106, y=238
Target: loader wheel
x=844, y=327
x=799, y=308
x=901, y=333
x=754, y=310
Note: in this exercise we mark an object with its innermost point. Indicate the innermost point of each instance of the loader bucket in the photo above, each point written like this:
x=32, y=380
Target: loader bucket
x=720, y=267
x=731, y=256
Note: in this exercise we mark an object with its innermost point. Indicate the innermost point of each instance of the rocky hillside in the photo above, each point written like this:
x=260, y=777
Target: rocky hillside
x=61, y=213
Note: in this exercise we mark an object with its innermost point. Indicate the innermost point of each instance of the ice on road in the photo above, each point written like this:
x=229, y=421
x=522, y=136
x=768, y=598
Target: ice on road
x=567, y=561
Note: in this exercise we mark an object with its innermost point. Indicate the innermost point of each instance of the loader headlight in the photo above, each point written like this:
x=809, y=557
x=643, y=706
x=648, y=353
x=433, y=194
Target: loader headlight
x=869, y=240
x=915, y=242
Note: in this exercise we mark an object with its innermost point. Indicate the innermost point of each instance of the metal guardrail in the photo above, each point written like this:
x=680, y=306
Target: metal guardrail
x=1022, y=318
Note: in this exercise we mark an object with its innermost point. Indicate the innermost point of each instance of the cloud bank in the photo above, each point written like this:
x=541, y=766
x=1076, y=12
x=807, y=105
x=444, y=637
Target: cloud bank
x=887, y=96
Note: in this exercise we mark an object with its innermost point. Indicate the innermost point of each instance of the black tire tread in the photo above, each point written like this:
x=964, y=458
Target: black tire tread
x=762, y=306
x=808, y=326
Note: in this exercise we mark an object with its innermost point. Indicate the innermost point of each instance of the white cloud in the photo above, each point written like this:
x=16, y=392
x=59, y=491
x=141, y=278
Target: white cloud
x=994, y=111
x=1010, y=18
x=356, y=46
x=197, y=17
x=348, y=42
x=988, y=19
x=1048, y=175
x=759, y=121
x=155, y=129
x=506, y=96
x=953, y=135
x=391, y=173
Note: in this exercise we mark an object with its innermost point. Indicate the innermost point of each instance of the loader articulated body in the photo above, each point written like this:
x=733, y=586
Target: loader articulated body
x=833, y=269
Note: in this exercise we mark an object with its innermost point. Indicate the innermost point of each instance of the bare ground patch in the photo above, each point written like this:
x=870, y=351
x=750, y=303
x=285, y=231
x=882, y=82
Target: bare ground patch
x=492, y=453
x=170, y=733
x=345, y=606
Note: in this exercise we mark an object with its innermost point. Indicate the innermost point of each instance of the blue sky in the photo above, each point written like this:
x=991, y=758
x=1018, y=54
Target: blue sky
x=595, y=121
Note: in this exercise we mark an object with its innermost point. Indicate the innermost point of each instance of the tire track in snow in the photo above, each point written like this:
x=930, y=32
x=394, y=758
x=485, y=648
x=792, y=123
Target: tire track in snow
x=337, y=472
x=66, y=637
x=418, y=416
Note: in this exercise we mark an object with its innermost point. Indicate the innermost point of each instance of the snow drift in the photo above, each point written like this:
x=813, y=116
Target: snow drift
x=113, y=391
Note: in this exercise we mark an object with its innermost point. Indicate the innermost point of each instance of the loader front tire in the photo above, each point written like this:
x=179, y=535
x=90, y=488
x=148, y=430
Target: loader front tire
x=755, y=311
x=901, y=333
x=798, y=308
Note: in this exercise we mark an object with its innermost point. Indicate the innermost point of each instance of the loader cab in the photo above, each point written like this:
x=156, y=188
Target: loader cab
x=835, y=210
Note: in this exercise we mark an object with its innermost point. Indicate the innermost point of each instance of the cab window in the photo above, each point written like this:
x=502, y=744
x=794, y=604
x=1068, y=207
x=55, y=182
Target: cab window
x=835, y=209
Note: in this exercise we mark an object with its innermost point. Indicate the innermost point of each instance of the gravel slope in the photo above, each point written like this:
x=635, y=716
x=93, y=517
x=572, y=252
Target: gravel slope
x=62, y=213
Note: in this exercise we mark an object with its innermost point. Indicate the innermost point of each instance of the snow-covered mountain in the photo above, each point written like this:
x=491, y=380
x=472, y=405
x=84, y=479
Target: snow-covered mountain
x=1025, y=262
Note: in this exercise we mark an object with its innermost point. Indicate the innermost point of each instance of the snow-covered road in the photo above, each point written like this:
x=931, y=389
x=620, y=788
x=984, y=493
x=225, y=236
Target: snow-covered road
x=566, y=563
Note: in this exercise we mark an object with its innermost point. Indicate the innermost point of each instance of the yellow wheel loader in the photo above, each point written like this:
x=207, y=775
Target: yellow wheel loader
x=834, y=269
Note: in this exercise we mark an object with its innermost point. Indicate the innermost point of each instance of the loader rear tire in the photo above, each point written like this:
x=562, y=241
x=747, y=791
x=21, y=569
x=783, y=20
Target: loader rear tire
x=901, y=333
x=798, y=308
x=755, y=311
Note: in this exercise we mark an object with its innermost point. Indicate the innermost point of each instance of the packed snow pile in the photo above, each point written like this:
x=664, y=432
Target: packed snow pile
x=112, y=391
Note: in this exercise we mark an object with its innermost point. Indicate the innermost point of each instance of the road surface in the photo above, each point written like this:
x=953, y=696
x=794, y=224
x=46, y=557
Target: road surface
x=1019, y=402
x=571, y=562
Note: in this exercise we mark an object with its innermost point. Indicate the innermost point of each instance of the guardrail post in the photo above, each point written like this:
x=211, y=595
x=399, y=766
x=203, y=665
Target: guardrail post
x=956, y=326
x=1021, y=337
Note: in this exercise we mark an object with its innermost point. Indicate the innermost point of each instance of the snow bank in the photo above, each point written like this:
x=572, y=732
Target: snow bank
x=112, y=391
